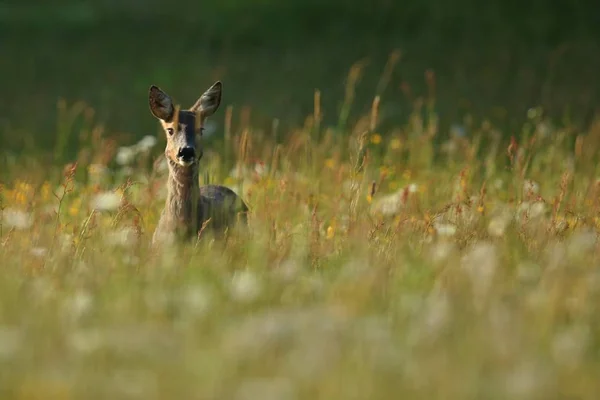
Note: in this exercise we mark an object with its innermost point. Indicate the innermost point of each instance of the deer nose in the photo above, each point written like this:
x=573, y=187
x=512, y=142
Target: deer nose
x=186, y=153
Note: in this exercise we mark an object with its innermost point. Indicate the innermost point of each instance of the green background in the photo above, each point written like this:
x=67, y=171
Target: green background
x=493, y=59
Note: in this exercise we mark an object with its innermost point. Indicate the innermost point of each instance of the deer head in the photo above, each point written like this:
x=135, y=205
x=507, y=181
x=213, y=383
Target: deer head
x=183, y=128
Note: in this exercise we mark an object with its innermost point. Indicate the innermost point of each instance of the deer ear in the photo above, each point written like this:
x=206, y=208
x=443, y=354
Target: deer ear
x=161, y=104
x=208, y=103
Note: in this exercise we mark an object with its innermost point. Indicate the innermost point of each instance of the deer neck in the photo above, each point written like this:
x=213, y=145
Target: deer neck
x=182, y=198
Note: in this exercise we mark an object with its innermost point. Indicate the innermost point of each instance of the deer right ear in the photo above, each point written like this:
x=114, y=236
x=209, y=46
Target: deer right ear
x=161, y=104
x=210, y=100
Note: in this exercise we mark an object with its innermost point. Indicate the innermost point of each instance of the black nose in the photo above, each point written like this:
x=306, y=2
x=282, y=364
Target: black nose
x=186, y=153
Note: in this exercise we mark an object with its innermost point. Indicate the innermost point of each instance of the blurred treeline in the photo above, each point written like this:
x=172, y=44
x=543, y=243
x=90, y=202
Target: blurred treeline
x=493, y=59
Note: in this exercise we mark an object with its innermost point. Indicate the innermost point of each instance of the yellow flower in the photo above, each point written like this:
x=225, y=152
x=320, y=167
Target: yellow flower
x=369, y=199
x=45, y=191
x=330, y=163
x=480, y=209
x=21, y=192
x=376, y=138
x=396, y=144
x=330, y=232
x=75, y=206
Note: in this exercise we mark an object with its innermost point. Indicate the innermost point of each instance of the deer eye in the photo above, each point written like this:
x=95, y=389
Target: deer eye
x=170, y=131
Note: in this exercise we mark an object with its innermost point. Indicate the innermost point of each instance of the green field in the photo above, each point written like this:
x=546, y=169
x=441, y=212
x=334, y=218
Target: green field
x=424, y=212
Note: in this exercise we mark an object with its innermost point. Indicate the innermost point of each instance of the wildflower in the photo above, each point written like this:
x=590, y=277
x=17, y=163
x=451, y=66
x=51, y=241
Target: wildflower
x=196, y=300
x=21, y=193
x=330, y=163
x=441, y=251
x=245, y=286
x=537, y=209
x=413, y=188
x=39, y=252
x=75, y=206
x=330, y=232
x=376, y=138
x=78, y=305
x=106, y=201
x=260, y=169
x=498, y=225
x=18, y=219
x=125, y=155
x=395, y=144
x=445, y=229
x=531, y=187
x=124, y=237
x=146, y=144
x=481, y=263
x=210, y=127
x=45, y=191
x=581, y=242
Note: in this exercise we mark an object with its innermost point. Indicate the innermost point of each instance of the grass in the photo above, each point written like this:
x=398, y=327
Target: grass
x=378, y=264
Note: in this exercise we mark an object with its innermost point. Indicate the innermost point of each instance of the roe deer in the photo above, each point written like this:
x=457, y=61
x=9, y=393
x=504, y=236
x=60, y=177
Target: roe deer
x=190, y=206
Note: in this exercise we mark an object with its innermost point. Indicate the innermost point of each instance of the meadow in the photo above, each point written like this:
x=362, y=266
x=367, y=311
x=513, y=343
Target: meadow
x=377, y=265
x=425, y=202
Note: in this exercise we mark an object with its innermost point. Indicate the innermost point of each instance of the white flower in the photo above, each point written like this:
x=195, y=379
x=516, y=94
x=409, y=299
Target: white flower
x=210, y=127
x=481, y=263
x=17, y=219
x=537, y=209
x=146, y=144
x=498, y=225
x=122, y=237
x=196, y=300
x=79, y=305
x=393, y=203
x=245, y=286
x=106, y=201
x=38, y=252
x=581, y=243
x=260, y=169
x=445, y=229
x=441, y=251
x=125, y=155
x=531, y=187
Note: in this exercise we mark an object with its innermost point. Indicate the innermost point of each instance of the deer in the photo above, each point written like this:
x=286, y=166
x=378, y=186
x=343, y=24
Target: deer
x=190, y=208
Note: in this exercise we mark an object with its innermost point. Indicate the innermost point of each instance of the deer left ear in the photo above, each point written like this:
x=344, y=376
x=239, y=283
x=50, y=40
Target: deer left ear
x=210, y=100
x=161, y=104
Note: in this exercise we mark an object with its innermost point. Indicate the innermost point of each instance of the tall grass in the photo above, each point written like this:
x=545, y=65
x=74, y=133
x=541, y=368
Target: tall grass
x=378, y=264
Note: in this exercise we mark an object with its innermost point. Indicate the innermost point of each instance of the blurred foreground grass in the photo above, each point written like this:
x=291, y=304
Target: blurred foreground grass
x=378, y=265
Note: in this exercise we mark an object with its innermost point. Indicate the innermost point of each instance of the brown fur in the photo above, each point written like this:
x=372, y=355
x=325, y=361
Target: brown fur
x=190, y=208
